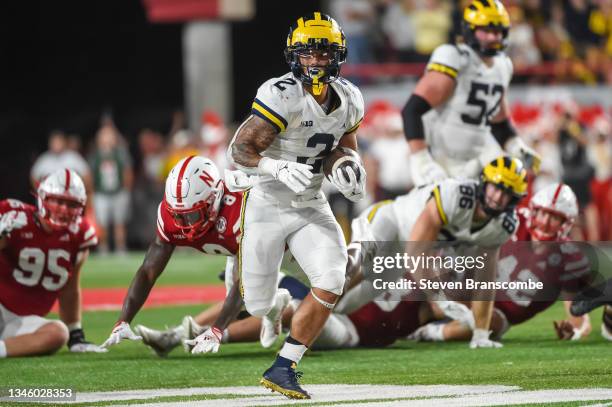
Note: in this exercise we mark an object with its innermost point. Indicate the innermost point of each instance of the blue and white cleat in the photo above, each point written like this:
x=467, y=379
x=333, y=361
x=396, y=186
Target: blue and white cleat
x=284, y=380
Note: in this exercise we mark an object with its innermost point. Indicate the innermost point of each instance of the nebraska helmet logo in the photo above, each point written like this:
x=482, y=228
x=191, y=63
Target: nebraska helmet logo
x=208, y=180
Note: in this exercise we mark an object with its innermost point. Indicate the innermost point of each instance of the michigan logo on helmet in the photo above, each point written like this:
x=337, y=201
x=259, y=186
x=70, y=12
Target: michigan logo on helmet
x=316, y=35
x=485, y=14
x=506, y=173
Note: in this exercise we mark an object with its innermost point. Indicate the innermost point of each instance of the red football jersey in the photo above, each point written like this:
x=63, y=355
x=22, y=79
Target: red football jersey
x=35, y=265
x=378, y=328
x=560, y=266
x=222, y=238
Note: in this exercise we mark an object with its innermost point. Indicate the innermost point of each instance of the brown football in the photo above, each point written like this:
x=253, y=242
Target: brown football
x=338, y=153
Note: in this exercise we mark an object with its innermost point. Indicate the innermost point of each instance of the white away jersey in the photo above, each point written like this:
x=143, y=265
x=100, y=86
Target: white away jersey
x=456, y=201
x=459, y=128
x=306, y=133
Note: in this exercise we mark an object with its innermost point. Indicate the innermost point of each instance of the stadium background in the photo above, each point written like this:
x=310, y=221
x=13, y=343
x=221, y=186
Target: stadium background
x=73, y=66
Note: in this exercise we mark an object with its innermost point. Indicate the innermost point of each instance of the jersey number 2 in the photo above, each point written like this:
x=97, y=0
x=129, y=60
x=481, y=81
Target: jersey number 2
x=320, y=138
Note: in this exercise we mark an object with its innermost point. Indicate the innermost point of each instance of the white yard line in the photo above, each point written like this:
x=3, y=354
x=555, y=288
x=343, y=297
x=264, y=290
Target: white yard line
x=428, y=395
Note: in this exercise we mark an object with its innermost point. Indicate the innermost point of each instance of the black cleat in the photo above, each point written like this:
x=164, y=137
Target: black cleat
x=285, y=381
x=593, y=297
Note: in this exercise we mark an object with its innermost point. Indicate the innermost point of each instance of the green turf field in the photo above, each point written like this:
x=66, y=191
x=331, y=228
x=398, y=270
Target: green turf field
x=532, y=357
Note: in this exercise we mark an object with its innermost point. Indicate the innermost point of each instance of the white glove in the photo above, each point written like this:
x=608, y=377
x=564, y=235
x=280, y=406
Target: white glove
x=295, y=176
x=87, y=347
x=424, y=169
x=458, y=312
x=209, y=341
x=120, y=332
x=12, y=220
x=352, y=189
x=516, y=147
x=237, y=181
x=480, y=339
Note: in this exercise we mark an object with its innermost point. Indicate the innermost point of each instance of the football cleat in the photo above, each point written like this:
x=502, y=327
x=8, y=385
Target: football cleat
x=192, y=329
x=162, y=342
x=272, y=324
x=591, y=298
x=284, y=380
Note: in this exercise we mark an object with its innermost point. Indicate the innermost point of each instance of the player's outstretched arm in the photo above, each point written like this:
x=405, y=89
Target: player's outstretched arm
x=70, y=309
x=252, y=138
x=154, y=263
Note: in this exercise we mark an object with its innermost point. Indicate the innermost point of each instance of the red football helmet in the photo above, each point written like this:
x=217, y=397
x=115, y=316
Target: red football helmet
x=194, y=190
x=557, y=200
x=61, y=199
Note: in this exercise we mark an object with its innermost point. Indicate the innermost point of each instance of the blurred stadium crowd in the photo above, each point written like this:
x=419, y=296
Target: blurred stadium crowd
x=125, y=173
x=127, y=180
x=567, y=40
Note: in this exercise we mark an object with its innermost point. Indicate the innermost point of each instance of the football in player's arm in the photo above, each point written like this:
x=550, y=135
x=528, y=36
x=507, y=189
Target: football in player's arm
x=466, y=84
x=42, y=252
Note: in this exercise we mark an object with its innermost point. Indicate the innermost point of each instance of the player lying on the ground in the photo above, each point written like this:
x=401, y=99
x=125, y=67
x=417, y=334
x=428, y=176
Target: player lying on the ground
x=198, y=211
x=476, y=213
x=42, y=251
x=560, y=267
x=594, y=297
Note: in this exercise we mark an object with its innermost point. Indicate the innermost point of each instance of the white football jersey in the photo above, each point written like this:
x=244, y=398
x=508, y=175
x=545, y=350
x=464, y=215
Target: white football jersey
x=306, y=133
x=458, y=130
x=456, y=201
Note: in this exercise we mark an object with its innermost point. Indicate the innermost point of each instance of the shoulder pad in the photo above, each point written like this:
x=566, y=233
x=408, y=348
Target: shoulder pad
x=448, y=59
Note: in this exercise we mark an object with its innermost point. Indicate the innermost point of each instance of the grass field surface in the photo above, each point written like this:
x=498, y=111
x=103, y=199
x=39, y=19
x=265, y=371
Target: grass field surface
x=532, y=358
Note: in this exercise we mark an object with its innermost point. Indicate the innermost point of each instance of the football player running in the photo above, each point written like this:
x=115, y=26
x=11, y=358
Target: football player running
x=296, y=121
x=466, y=85
x=477, y=213
x=42, y=251
x=551, y=259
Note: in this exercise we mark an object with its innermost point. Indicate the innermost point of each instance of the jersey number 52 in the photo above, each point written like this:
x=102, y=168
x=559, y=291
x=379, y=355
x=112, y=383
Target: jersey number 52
x=477, y=97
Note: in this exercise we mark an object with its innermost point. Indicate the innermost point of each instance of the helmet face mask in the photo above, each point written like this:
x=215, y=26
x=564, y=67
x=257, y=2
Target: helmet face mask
x=485, y=15
x=197, y=221
x=504, y=174
x=194, y=191
x=553, y=212
x=318, y=36
x=61, y=199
